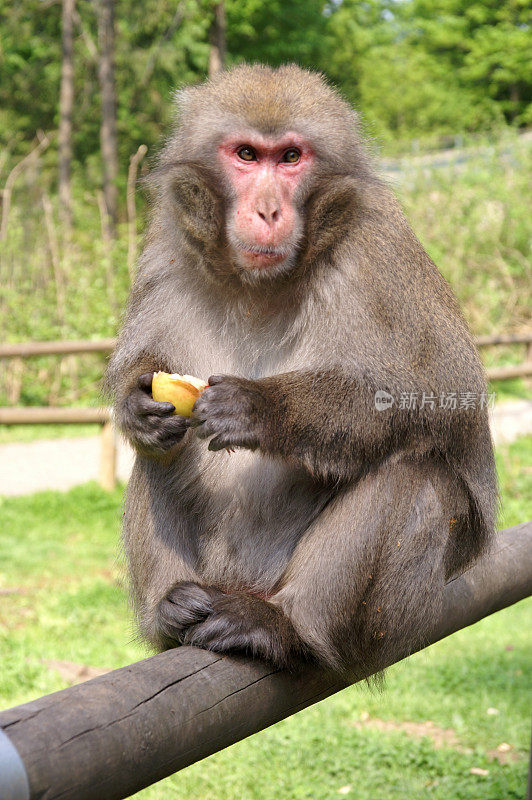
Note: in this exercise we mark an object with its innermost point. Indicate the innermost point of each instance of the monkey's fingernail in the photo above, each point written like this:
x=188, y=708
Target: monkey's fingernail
x=145, y=381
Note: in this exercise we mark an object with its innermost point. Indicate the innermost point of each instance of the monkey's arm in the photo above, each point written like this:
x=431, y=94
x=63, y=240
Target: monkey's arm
x=329, y=420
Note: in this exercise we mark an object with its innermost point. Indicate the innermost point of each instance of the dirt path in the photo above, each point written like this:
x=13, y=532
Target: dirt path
x=62, y=463
x=55, y=464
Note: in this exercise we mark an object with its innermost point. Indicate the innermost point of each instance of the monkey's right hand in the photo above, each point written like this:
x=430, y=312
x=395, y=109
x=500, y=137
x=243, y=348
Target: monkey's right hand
x=151, y=427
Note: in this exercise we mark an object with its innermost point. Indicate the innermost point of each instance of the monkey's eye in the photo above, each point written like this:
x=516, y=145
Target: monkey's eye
x=291, y=156
x=247, y=153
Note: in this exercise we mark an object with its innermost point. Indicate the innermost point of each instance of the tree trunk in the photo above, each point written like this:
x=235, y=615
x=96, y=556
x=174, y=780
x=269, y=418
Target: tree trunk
x=515, y=99
x=66, y=104
x=217, y=39
x=108, y=136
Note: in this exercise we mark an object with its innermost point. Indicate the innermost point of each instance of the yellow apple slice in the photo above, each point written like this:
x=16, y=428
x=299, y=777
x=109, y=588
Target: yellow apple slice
x=180, y=390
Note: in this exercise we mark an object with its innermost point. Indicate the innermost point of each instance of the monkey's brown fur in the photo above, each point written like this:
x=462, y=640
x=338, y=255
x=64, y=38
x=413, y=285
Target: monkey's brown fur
x=327, y=534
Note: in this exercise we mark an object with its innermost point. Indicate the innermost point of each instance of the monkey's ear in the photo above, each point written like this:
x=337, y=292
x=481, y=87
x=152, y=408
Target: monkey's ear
x=187, y=189
x=197, y=206
x=330, y=211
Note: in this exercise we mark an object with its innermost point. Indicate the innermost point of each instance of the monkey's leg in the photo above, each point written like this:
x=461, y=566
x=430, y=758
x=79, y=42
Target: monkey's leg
x=364, y=580
x=172, y=605
x=367, y=578
x=207, y=617
x=159, y=538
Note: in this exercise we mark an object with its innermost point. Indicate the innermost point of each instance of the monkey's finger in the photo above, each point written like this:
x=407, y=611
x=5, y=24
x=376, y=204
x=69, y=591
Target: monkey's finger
x=215, y=425
x=203, y=633
x=200, y=409
x=197, y=417
x=204, y=429
x=220, y=443
x=169, y=431
x=172, y=423
x=190, y=602
x=145, y=381
x=147, y=406
x=166, y=438
x=214, y=379
x=138, y=406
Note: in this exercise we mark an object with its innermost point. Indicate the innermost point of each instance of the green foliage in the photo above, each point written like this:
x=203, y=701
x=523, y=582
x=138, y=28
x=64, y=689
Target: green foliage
x=487, y=44
x=30, y=66
x=446, y=66
x=412, y=67
x=471, y=217
x=161, y=44
x=276, y=32
x=514, y=467
x=414, y=92
x=77, y=292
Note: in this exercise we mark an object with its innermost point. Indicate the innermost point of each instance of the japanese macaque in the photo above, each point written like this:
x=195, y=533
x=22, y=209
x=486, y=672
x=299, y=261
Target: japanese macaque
x=338, y=469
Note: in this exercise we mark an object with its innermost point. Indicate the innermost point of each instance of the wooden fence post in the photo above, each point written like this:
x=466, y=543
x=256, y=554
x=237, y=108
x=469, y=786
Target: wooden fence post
x=108, y=455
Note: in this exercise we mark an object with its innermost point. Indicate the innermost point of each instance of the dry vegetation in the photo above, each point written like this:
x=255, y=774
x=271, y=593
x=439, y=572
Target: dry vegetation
x=472, y=216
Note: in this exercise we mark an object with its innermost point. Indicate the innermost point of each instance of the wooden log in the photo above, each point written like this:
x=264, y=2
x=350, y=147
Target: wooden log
x=26, y=349
x=114, y=735
x=47, y=415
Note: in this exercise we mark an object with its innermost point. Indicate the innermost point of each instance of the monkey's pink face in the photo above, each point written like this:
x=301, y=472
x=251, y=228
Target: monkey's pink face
x=264, y=226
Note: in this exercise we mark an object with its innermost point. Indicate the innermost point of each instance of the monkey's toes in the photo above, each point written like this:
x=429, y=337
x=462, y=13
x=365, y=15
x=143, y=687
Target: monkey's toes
x=186, y=604
x=255, y=629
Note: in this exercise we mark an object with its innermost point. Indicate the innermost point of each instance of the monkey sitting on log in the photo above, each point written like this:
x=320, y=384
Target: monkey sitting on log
x=342, y=374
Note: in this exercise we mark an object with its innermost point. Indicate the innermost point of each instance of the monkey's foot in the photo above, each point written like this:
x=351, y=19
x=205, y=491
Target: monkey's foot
x=185, y=605
x=228, y=623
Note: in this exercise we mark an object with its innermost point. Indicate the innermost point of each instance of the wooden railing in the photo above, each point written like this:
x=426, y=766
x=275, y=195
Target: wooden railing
x=61, y=348
x=514, y=371
x=50, y=415
x=32, y=415
x=28, y=349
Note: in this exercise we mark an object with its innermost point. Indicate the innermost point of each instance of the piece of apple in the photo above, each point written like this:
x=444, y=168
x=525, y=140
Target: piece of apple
x=180, y=390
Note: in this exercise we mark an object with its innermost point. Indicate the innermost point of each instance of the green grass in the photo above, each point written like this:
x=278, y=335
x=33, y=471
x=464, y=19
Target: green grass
x=511, y=389
x=59, y=554
x=514, y=467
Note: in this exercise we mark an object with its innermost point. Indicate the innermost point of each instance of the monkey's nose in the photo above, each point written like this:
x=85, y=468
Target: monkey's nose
x=270, y=214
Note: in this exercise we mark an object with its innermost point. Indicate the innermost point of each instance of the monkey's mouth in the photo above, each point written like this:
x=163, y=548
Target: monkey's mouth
x=260, y=257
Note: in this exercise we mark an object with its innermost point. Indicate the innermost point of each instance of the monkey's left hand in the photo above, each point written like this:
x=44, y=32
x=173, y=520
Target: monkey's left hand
x=233, y=411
